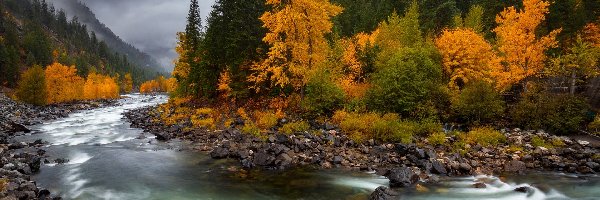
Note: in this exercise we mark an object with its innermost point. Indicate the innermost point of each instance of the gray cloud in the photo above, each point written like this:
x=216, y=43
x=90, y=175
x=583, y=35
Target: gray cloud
x=149, y=25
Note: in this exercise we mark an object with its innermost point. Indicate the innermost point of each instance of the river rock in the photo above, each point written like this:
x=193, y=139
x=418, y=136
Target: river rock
x=402, y=177
x=263, y=159
x=384, y=193
x=515, y=166
x=163, y=136
x=479, y=185
x=523, y=189
x=438, y=168
x=219, y=153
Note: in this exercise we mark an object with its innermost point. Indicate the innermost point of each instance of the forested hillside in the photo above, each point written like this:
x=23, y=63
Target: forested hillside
x=34, y=33
x=114, y=42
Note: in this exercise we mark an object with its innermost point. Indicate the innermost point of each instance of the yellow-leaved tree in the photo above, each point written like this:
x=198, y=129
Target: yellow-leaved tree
x=98, y=86
x=127, y=83
x=522, y=52
x=352, y=77
x=467, y=56
x=296, y=35
x=63, y=84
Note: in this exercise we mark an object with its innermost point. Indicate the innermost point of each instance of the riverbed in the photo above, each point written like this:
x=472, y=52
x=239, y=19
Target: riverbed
x=110, y=160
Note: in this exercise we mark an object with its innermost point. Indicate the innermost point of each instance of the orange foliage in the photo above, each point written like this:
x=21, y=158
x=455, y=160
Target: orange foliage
x=63, y=84
x=98, y=86
x=224, y=81
x=159, y=84
x=520, y=49
x=467, y=56
x=353, y=80
x=296, y=35
x=592, y=34
x=151, y=86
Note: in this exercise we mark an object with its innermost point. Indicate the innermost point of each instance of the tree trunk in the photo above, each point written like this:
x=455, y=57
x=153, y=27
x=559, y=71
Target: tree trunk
x=573, y=82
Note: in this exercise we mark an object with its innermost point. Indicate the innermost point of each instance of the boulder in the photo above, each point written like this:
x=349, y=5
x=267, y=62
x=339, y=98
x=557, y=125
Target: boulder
x=163, y=136
x=402, y=177
x=384, y=193
x=219, y=153
x=263, y=159
x=438, y=168
x=479, y=185
x=523, y=189
x=515, y=166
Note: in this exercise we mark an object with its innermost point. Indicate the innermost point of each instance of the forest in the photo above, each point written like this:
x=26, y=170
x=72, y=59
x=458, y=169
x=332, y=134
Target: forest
x=389, y=70
x=34, y=33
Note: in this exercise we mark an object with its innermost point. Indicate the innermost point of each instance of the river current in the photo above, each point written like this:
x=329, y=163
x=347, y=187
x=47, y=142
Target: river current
x=110, y=160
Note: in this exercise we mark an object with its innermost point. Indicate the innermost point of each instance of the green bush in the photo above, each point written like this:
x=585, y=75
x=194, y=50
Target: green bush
x=323, y=96
x=436, y=139
x=388, y=127
x=478, y=103
x=32, y=86
x=556, y=113
x=405, y=82
x=294, y=127
x=484, y=136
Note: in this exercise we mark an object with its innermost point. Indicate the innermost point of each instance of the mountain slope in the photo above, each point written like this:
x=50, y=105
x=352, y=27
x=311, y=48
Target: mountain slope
x=32, y=33
x=87, y=17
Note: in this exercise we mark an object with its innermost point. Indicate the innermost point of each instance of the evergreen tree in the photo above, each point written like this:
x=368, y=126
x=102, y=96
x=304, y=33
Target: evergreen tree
x=234, y=39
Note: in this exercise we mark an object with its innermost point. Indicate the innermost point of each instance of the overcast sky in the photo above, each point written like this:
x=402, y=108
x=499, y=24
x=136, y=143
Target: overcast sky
x=149, y=25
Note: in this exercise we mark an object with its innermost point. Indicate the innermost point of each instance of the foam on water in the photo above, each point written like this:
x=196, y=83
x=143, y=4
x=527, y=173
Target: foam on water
x=99, y=126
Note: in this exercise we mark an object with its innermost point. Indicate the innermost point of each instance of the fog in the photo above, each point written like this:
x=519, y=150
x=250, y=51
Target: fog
x=149, y=25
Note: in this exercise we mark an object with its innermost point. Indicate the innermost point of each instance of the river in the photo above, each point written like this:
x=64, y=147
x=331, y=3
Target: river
x=110, y=160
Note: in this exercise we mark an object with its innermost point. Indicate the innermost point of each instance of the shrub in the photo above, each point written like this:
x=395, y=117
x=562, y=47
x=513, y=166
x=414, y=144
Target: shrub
x=537, y=141
x=202, y=118
x=32, y=87
x=295, y=127
x=478, y=104
x=323, y=96
x=265, y=120
x=388, y=127
x=556, y=113
x=436, y=139
x=404, y=82
x=252, y=129
x=594, y=127
x=484, y=136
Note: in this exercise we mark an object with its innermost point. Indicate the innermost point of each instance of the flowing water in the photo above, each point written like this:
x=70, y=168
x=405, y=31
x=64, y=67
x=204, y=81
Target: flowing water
x=110, y=160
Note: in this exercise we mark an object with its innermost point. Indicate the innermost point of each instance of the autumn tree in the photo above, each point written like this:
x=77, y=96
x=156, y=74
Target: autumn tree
x=467, y=56
x=522, y=52
x=581, y=61
x=63, y=84
x=397, y=32
x=98, y=86
x=127, y=83
x=32, y=88
x=472, y=20
x=357, y=63
x=296, y=34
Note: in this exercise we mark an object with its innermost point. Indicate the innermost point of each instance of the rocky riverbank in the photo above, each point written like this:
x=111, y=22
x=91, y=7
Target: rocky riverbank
x=405, y=165
x=20, y=160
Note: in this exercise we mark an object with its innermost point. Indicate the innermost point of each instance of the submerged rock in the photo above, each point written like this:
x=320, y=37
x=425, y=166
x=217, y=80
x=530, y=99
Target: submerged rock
x=384, y=193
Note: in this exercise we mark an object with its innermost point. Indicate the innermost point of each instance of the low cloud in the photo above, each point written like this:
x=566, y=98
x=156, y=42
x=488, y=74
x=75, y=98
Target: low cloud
x=149, y=25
